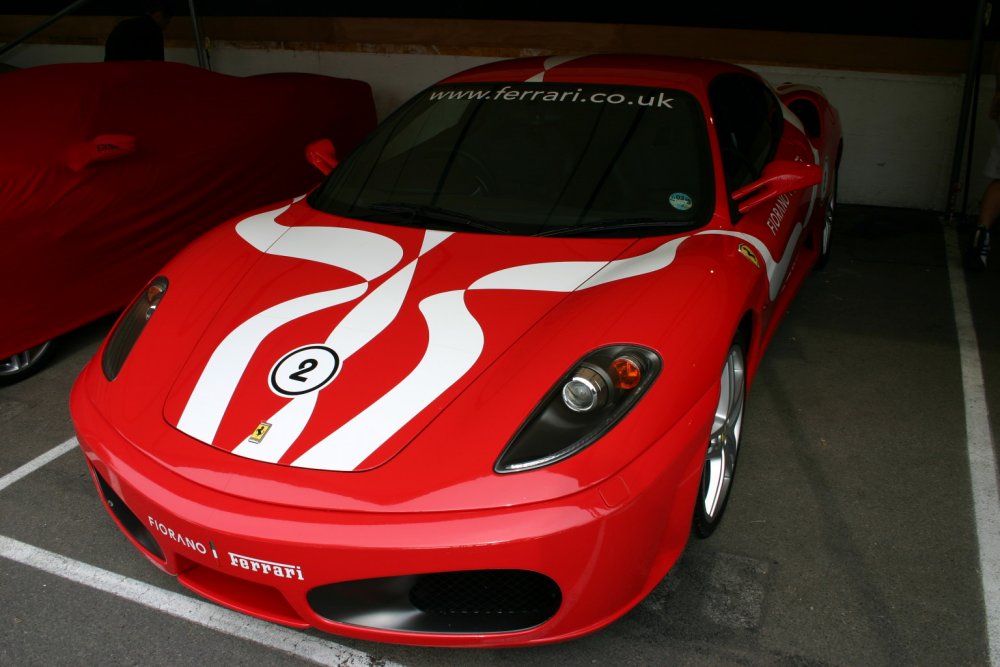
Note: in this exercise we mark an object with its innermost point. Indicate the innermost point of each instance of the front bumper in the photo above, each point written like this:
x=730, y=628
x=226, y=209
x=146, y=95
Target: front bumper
x=520, y=575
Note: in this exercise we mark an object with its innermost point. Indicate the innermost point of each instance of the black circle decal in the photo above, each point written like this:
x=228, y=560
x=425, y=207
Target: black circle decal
x=304, y=370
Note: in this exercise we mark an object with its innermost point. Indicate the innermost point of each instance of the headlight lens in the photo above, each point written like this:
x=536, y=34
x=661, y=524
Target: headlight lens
x=127, y=331
x=582, y=406
x=587, y=390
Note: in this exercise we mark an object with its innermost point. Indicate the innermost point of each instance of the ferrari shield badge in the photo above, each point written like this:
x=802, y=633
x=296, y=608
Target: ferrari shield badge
x=259, y=433
x=748, y=252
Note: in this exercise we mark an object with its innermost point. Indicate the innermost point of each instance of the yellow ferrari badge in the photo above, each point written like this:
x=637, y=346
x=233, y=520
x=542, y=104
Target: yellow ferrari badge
x=748, y=252
x=259, y=432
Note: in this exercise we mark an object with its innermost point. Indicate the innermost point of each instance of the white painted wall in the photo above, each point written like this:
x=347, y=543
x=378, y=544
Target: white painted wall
x=899, y=133
x=899, y=129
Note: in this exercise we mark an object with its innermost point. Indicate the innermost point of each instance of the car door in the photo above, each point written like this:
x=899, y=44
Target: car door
x=752, y=132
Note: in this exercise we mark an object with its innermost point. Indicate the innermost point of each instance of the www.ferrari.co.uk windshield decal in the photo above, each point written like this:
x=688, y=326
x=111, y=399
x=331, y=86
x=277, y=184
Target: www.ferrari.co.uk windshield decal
x=455, y=338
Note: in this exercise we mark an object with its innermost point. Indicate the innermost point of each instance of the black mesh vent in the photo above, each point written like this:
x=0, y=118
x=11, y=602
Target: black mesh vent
x=474, y=601
x=486, y=592
x=129, y=521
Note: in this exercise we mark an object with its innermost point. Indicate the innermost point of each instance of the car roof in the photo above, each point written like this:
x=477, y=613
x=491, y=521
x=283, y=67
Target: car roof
x=637, y=70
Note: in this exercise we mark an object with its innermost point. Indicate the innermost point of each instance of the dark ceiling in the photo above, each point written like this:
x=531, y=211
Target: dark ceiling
x=954, y=20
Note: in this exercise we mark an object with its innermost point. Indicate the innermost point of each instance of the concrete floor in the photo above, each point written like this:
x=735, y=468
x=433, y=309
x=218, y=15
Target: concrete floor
x=850, y=538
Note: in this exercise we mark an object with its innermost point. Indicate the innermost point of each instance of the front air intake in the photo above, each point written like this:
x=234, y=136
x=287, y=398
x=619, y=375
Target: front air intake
x=129, y=521
x=473, y=601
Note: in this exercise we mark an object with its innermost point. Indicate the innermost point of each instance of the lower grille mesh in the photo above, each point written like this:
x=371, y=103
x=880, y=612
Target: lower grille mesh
x=486, y=592
x=474, y=601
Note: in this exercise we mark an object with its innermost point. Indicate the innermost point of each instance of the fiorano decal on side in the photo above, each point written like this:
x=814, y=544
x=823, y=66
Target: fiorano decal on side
x=748, y=252
x=777, y=215
x=304, y=370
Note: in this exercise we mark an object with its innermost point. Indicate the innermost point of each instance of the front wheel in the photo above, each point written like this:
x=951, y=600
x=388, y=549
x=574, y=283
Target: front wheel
x=723, y=443
x=826, y=233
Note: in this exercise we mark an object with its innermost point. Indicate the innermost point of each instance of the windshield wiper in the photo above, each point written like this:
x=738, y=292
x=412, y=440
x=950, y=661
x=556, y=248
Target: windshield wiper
x=615, y=224
x=438, y=214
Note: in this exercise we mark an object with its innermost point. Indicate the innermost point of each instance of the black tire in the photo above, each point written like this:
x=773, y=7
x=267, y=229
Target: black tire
x=826, y=233
x=723, y=444
x=24, y=364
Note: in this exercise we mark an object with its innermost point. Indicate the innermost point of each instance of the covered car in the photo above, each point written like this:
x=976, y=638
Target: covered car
x=108, y=169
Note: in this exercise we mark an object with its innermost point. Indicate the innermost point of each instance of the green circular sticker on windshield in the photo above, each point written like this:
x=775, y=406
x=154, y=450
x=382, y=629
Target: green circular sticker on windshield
x=681, y=201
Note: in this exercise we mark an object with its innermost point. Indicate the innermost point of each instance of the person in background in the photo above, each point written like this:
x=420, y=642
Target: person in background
x=139, y=37
x=989, y=207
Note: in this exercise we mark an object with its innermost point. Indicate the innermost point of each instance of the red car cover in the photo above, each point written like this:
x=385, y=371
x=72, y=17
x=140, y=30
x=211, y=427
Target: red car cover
x=108, y=169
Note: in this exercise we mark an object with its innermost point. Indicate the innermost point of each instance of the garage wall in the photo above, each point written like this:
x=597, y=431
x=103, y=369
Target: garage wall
x=899, y=98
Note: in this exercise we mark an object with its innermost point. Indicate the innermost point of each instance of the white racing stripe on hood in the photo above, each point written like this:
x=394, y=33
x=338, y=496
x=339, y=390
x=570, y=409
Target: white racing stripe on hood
x=290, y=420
x=573, y=276
x=364, y=253
x=455, y=343
x=365, y=321
x=373, y=314
x=210, y=398
x=620, y=269
x=261, y=231
x=546, y=277
x=432, y=237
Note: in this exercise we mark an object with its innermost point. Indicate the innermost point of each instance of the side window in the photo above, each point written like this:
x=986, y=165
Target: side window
x=748, y=121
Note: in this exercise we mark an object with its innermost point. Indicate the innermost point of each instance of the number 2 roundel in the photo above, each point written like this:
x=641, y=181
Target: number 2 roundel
x=304, y=370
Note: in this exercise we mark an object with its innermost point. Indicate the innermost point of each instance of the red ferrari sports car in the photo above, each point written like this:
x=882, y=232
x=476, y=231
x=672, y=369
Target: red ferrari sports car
x=481, y=385
x=108, y=169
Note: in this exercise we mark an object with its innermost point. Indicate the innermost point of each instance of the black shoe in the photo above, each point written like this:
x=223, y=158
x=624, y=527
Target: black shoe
x=979, y=251
x=973, y=261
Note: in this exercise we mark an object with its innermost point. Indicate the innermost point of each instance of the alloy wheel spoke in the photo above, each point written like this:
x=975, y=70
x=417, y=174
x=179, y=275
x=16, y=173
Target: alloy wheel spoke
x=21, y=361
x=720, y=459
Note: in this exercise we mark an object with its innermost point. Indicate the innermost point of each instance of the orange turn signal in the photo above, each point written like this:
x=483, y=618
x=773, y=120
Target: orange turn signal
x=626, y=373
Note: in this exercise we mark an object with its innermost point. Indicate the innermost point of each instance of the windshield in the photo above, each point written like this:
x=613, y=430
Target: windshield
x=533, y=159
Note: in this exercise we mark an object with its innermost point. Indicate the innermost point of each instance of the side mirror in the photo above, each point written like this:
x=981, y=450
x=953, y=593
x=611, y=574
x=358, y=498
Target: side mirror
x=322, y=155
x=779, y=177
x=100, y=148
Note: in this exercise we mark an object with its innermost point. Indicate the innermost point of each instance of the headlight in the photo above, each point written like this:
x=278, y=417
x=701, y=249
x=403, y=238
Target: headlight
x=582, y=406
x=129, y=327
x=587, y=390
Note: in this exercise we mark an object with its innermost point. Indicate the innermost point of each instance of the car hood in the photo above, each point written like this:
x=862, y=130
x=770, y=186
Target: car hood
x=345, y=339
